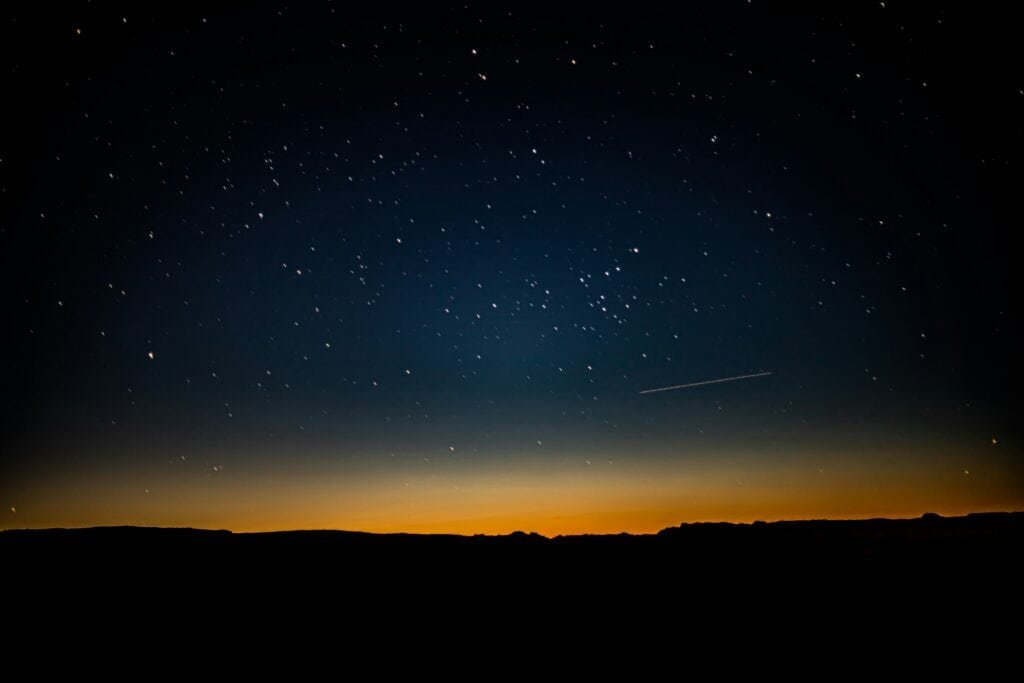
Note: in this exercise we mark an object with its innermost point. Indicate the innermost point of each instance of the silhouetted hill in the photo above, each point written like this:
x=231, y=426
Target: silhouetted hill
x=824, y=563
x=996, y=534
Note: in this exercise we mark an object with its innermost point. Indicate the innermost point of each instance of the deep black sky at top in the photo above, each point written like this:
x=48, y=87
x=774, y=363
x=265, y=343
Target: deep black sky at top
x=480, y=227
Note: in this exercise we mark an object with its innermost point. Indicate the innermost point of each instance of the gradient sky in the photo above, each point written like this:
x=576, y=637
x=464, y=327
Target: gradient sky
x=318, y=267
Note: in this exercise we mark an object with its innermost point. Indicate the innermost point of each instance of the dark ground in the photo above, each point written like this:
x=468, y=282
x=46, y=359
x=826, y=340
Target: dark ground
x=132, y=568
x=859, y=595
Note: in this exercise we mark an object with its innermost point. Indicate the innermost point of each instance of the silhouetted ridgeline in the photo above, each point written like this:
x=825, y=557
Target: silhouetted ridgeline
x=810, y=561
x=872, y=543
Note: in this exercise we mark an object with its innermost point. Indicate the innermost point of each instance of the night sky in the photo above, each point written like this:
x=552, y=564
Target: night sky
x=316, y=265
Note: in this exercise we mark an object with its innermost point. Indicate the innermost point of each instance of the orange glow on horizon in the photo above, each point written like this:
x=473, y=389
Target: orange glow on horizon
x=641, y=497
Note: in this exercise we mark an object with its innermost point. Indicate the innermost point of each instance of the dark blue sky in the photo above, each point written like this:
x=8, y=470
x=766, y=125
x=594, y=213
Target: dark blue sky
x=472, y=236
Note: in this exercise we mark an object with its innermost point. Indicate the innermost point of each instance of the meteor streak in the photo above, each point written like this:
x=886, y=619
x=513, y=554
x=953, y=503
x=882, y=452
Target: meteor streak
x=707, y=381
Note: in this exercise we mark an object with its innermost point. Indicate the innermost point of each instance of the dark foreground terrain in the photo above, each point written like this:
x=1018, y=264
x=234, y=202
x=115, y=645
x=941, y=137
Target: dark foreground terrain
x=930, y=563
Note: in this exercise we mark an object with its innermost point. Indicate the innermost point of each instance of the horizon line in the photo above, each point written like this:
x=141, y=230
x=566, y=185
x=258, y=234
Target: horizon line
x=759, y=522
